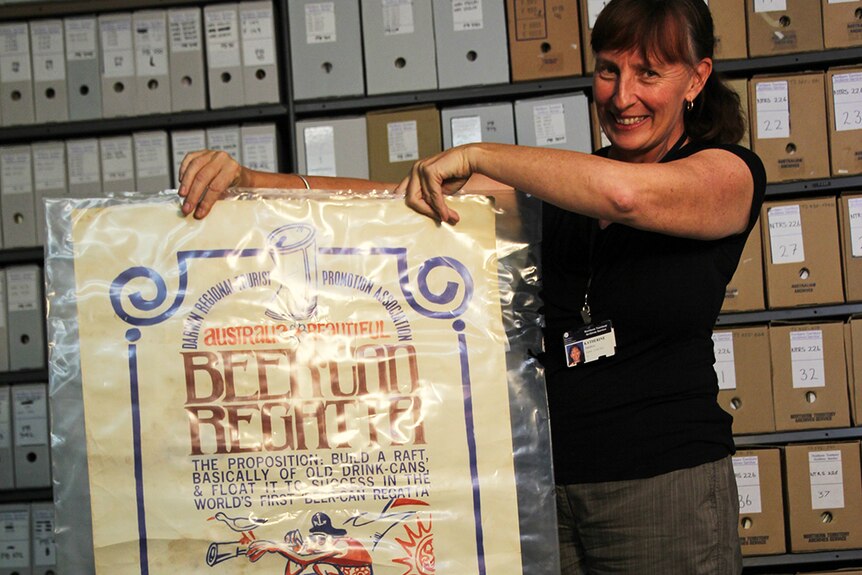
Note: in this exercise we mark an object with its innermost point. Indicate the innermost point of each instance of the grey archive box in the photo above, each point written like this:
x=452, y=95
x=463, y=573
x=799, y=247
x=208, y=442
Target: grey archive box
x=26, y=317
x=558, y=122
x=333, y=147
x=493, y=123
x=83, y=76
x=326, y=49
x=16, y=81
x=471, y=41
x=32, y=443
x=399, y=46
x=49, y=70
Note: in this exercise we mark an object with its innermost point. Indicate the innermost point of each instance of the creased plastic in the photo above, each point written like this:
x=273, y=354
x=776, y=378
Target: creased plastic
x=303, y=381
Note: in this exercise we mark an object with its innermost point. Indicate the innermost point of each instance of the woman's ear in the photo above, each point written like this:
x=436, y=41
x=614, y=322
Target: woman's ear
x=702, y=71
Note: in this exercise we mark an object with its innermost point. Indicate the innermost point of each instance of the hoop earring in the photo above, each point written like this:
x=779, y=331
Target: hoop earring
x=689, y=105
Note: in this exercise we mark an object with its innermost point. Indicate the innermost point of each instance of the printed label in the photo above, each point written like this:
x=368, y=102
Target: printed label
x=184, y=27
x=827, y=479
x=397, y=17
x=747, y=470
x=80, y=39
x=151, y=154
x=117, y=160
x=117, y=51
x=549, y=121
x=222, y=32
x=44, y=549
x=467, y=15
x=49, y=167
x=151, y=46
x=466, y=130
x=30, y=416
x=806, y=359
x=15, y=551
x=320, y=23
x=773, y=110
x=16, y=172
x=258, y=152
x=320, y=150
x=854, y=206
x=224, y=141
x=725, y=365
x=258, y=45
x=769, y=5
x=83, y=158
x=49, y=60
x=785, y=234
x=15, y=53
x=847, y=97
x=403, y=140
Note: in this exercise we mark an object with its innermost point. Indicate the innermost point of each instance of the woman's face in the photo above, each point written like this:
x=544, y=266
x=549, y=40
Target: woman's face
x=640, y=104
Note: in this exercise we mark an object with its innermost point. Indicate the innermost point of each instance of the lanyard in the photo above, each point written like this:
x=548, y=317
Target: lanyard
x=594, y=232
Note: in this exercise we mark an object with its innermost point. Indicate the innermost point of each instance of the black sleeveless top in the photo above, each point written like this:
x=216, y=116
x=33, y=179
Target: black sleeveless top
x=651, y=408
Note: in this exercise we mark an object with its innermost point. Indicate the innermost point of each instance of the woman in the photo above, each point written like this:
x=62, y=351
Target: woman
x=641, y=447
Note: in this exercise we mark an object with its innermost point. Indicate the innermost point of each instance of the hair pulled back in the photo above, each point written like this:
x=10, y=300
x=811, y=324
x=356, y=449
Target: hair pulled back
x=675, y=31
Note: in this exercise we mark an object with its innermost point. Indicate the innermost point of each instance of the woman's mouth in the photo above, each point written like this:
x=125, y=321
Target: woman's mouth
x=629, y=120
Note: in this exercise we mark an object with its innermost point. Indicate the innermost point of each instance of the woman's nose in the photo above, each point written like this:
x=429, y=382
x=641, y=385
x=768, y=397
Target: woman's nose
x=624, y=95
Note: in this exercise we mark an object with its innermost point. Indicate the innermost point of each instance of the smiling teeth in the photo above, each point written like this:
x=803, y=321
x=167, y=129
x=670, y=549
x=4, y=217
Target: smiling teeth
x=630, y=121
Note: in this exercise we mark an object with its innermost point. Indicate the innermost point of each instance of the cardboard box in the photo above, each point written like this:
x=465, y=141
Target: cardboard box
x=740, y=86
x=853, y=333
x=809, y=376
x=824, y=496
x=745, y=378
x=842, y=23
x=850, y=225
x=787, y=127
x=798, y=28
x=397, y=138
x=728, y=18
x=544, y=39
x=744, y=292
x=761, y=506
x=802, y=259
x=844, y=105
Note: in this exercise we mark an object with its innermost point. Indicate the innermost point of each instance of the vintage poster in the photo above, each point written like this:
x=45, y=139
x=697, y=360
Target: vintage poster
x=295, y=385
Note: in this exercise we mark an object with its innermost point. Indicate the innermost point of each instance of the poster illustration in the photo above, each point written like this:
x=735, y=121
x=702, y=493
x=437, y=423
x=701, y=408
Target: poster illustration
x=295, y=386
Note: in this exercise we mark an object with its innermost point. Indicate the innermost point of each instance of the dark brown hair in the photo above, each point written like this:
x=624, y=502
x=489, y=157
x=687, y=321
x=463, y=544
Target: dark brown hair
x=675, y=31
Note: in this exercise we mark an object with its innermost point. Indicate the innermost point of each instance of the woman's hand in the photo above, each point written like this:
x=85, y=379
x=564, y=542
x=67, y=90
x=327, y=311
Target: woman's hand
x=204, y=178
x=433, y=178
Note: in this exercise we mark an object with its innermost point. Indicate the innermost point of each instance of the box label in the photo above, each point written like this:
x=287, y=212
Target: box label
x=467, y=15
x=151, y=46
x=747, y=470
x=258, y=151
x=466, y=130
x=226, y=140
x=23, y=289
x=854, y=207
x=769, y=5
x=320, y=23
x=44, y=549
x=827, y=479
x=785, y=234
x=320, y=150
x=15, y=53
x=403, y=140
x=83, y=160
x=151, y=155
x=49, y=167
x=30, y=416
x=847, y=98
x=258, y=43
x=397, y=17
x=118, y=56
x=49, y=60
x=806, y=359
x=530, y=20
x=80, y=39
x=222, y=39
x=16, y=172
x=184, y=27
x=117, y=162
x=15, y=551
x=773, y=110
x=549, y=121
x=725, y=365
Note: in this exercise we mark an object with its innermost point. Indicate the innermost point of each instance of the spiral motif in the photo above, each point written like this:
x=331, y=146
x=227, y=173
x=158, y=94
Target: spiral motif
x=138, y=301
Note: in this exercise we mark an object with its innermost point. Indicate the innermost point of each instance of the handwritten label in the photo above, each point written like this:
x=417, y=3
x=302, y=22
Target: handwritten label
x=785, y=234
x=827, y=479
x=747, y=471
x=725, y=366
x=773, y=110
x=806, y=359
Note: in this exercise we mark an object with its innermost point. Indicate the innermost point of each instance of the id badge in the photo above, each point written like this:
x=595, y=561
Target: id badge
x=589, y=343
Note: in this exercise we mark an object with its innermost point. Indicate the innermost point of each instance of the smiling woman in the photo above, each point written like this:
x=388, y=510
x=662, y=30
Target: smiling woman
x=639, y=241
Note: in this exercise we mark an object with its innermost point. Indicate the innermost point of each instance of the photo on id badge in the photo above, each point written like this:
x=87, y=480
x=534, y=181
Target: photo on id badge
x=574, y=353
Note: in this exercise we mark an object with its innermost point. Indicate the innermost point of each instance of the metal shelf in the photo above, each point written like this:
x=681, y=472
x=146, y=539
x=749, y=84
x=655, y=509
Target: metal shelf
x=801, y=313
x=808, y=187
x=12, y=256
x=24, y=376
x=785, y=62
x=807, y=436
x=26, y=495
x=109, y=126
x=794, y=559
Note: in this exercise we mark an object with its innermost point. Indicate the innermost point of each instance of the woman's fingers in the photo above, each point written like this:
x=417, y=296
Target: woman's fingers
x=205, y=177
